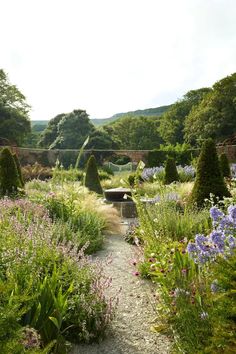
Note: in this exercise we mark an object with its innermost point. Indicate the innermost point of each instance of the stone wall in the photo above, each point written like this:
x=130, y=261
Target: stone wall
x=49, y=157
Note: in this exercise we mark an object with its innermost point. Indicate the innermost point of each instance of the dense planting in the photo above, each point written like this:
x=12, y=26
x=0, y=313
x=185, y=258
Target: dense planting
x=189, y=253
x=51, y=285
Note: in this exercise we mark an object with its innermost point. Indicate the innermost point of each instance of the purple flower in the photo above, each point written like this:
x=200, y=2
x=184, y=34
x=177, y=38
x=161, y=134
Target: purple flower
x=232, y=212
x=202, y=242
x=214, y=286
x=216, y=214
x=231, y=241
x=218, y=239
x=192, y=247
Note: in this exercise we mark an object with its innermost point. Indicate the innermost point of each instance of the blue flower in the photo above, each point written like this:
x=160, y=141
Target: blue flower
x=202, y=242
x=218, y=239
x=232, y=242
x=192, y=247
x=215, y=286
x=216, y=214
x=232, y=212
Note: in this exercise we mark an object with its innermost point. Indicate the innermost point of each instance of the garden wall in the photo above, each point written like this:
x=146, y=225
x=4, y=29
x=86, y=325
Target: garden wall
x=49, y=157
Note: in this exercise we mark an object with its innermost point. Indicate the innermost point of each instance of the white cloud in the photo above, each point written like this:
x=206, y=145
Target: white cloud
x=109, y=56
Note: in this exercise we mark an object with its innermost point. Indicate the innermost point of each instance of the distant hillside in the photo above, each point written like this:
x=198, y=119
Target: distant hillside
x=39, y=122
x=158, y=111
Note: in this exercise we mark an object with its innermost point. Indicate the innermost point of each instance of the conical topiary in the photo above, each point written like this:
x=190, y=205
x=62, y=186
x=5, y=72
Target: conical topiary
x=18, y=166
x=224, y=165
x=9, y=178
x=92, y=181
x=171, y=173
x=209, y=179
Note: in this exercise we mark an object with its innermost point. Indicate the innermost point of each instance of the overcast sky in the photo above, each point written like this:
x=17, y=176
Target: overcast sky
x=110, y=56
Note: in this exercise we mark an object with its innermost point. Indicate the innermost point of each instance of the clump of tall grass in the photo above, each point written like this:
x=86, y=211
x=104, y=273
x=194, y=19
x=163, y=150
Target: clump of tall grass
x=86, y=215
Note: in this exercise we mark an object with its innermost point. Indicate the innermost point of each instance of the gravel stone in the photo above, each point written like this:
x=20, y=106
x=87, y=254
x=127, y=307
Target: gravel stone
x=129, y=332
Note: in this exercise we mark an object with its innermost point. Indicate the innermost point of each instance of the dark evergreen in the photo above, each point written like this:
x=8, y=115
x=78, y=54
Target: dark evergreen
x=171, y=173
x=225, y=167
x=92, y=181
x=18, y=166
x=209, y=178
x=9, y=178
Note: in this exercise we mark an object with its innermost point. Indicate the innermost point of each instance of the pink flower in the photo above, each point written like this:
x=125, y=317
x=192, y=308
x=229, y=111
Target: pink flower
x=136, y=274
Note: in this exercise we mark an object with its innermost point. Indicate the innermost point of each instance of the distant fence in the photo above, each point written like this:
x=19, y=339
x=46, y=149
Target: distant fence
x=68, y=157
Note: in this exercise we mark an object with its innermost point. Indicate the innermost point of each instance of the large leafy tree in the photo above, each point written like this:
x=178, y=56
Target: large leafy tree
x=215, y=116
x=172, y=121
x=135, y=132
x=73, y=129
x=69, y=131
x=14, y=119
x=50, y=133
x=100, y=139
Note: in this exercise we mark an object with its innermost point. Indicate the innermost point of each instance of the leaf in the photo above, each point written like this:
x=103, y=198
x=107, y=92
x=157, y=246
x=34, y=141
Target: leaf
x=36, y=315
x=159, y=328
x=81, y=152
x=55, y=322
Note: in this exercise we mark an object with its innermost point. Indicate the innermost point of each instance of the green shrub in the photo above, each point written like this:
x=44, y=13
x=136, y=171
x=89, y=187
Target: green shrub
x=103, y=175
x=120, y=159
x=18, y=166
x=224, y=310
x=171, y=173
x=182, y=153
x=92, y=181
x=155, y=158
x=107, y=169
x=9, y=177
x=209, y=179
x=225, y=167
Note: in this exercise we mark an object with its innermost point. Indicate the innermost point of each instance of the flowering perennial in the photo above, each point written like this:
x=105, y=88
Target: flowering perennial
x=221, y=241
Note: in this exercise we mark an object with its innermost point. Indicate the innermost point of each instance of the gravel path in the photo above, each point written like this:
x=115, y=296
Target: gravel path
x=130, y=330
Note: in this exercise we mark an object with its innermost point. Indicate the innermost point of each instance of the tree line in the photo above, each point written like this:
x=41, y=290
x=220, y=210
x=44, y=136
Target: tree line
x=198, y=115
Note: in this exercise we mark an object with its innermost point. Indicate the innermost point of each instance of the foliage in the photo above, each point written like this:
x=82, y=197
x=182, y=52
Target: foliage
x=14, y=121
x=173, y=121
x=9, y=177
x=50, y=133
x=182, y=153
x=224, y=307
x=224, y=165
x=19, y=170
x=186, y=173
x=84, y=219
x=215, y=115
x=73, y=129
x=195, y=300
x=92, y=181
x=171, y=173
x=72, y=174
x=120, y=159
x=51, y=286
x=100, y=139
x=36, y=171
x=139, y=133
x=209, y=179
